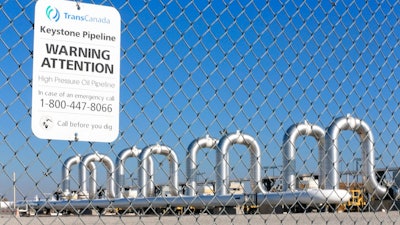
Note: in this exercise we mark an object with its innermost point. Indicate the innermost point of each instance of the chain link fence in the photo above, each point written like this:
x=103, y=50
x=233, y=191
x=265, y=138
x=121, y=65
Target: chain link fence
x=303, y=95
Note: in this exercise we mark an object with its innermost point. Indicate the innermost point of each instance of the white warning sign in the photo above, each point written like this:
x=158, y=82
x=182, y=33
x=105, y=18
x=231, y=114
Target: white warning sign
x=76, y=71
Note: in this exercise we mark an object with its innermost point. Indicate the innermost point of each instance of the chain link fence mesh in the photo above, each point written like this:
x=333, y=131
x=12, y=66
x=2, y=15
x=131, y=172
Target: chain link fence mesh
x=194, y=69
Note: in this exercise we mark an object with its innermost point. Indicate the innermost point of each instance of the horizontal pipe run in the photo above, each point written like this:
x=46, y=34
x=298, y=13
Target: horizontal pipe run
x=142, y=202
x=308, y=197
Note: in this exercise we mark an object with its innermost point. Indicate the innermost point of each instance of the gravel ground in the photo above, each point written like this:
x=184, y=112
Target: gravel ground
x=371, y=218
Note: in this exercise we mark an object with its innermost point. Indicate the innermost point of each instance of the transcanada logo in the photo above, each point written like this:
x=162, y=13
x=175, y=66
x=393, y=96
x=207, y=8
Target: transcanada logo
x=86, y=18
x=52, y=13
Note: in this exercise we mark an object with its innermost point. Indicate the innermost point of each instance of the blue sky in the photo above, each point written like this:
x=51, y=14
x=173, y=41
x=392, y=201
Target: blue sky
x=194, y=68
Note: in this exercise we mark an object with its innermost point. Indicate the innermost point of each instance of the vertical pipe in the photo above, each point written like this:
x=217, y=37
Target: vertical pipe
x=222, y=181
x=15, y=192
x=368, y=159
x=66, y=173
x=289, y=151
x=191, y=162
x=146, y=185
x=120, y=167
x=93, y=178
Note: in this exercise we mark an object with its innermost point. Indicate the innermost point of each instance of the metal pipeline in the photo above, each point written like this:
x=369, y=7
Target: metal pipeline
x=147, y=186
x=202, y=201
x=107, y=162
x=307, y=197
x=222, y=180
x=311, y=196
x=66, y=174
x=120, y=165
x=289, y=152
x=191, y=162
x=368, y=159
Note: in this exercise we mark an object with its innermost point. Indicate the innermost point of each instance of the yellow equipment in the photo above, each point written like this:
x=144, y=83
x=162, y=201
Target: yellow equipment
x=357, y=201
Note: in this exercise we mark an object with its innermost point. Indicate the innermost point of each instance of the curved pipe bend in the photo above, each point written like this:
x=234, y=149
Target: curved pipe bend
x=289, y=151
x=107, y=162
x=222, y=180
x=368, y=159
x=66, y=174
x=147, y=186
x=120, y=167
x=191, y=162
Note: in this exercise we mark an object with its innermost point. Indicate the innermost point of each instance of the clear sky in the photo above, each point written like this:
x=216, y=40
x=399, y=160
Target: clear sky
x=192, y=68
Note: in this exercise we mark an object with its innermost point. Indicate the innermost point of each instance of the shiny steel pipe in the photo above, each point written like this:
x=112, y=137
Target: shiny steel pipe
x=107, y=162
x=307, y=197
x=66, y=174
x=289, y=151
x=368, y=157
x=203, y=201
x=147, y=186
x=120, y=165
x=222, y=177
x=191, y=162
